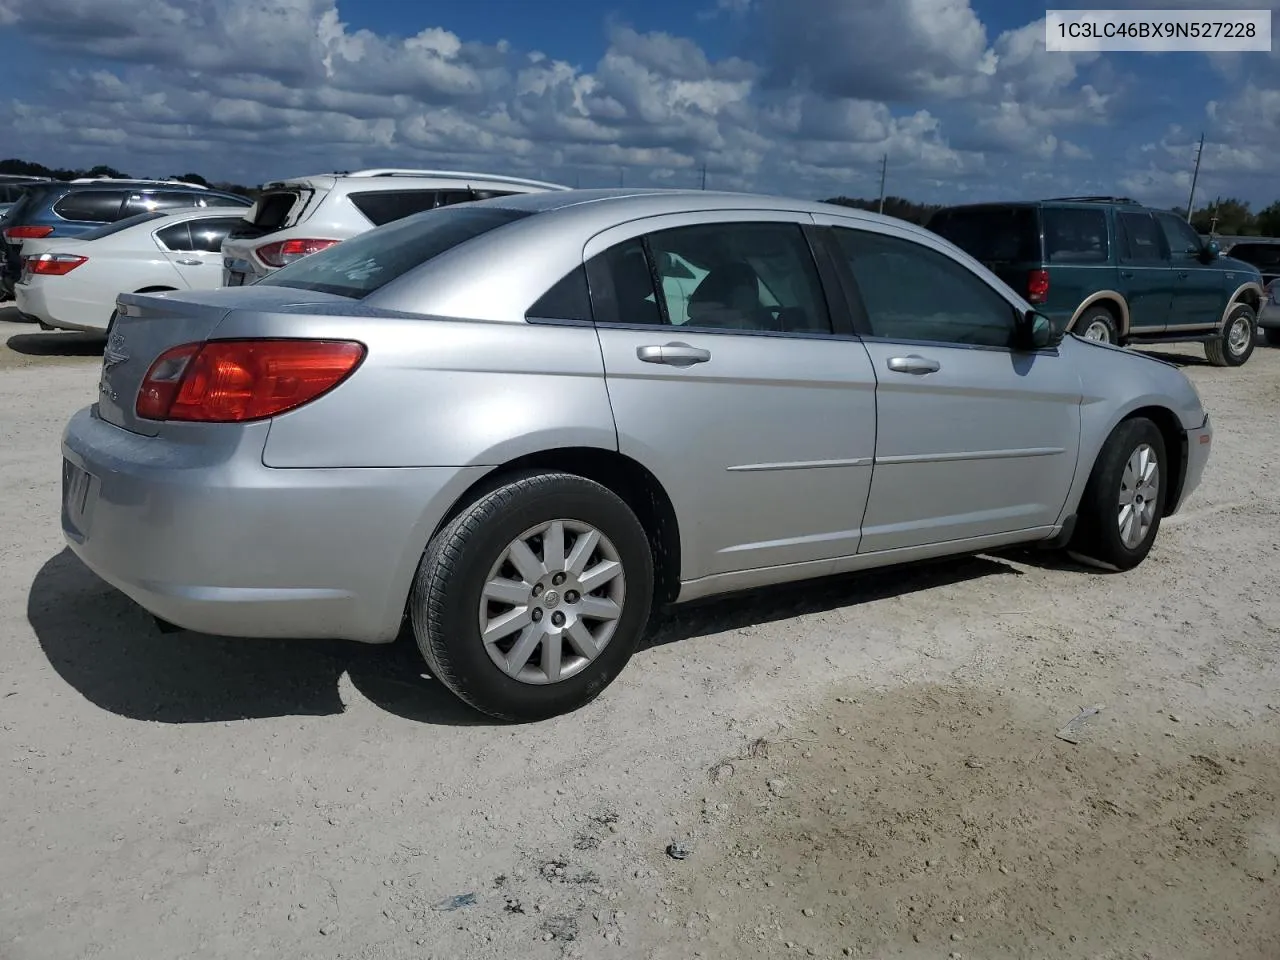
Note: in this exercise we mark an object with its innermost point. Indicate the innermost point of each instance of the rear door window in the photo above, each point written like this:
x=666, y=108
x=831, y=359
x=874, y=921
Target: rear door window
x=994, y=234
x=207, y=234
x=176, y=237
x=91, y=206
x=1141, y=240
x=1075, y=235
x=150, y=201
x=384, y=206
x=357, y=267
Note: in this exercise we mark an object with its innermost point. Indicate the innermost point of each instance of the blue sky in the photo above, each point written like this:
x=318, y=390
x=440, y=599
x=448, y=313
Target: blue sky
x=795, y=96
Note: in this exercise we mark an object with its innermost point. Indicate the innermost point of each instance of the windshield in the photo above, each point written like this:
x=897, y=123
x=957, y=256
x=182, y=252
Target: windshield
x=995, y=234
x=108, y=229
x=356, y=268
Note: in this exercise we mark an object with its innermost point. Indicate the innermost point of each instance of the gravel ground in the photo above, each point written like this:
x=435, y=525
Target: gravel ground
x=864, y=767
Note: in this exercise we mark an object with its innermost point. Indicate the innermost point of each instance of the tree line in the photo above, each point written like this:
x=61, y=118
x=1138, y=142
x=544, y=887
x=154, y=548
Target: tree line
x=1229, y=217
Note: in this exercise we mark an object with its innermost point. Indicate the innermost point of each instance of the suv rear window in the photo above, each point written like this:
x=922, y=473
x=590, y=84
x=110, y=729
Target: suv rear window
x=270, y=214
x=991, y=234
x=91, y=206
x=357, y=267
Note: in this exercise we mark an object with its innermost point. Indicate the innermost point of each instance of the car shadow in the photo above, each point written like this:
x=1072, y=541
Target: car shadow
x=61, y=344
x=110, y=650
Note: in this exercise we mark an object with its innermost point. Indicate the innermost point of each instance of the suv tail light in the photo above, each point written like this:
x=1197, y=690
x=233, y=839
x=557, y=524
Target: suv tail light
x=286, y=251
x=27, y=233
x=1038, y=286
x=235, y=381
x=53, y=264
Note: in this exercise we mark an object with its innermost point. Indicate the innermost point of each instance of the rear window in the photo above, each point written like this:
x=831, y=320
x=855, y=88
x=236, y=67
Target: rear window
x=1075, y=235
x=273, y=209
x=91, y=206
x=98, y=233
x=356, y=268
x=1003, y=234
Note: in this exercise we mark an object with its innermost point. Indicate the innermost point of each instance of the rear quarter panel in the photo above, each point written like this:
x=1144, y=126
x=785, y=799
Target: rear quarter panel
x=436, y=392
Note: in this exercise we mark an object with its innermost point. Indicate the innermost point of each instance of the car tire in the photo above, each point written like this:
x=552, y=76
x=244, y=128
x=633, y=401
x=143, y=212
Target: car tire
x=1234, y=344
x=1272, y=335
x=1101, y=532
x=1098, y=324
x=469, y=577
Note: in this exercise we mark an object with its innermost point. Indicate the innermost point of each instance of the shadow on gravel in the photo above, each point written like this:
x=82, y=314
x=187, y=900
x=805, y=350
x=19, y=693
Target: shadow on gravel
x=782, y=602
x=110, y=650
x=63, y=344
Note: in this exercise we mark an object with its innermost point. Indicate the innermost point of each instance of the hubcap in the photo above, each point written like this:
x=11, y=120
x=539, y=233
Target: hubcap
x=552, y=601
x=1098, y=331
x=1139, y=496
x=1238, y=335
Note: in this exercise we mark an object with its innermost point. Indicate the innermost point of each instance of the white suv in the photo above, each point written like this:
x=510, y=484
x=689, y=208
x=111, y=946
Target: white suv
x=294, y=218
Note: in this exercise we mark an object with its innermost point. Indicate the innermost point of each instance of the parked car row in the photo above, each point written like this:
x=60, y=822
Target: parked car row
x=519, y=423
x=73, y=246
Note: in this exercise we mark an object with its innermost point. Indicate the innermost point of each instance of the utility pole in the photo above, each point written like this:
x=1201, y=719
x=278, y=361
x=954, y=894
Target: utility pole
x=884, y=169
x=1195, y=175
x=704, y=176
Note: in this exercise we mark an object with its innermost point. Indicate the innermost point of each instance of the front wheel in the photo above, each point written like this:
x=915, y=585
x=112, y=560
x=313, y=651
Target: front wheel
x=532, y=600
x=1123, y=502
x=1234, y=345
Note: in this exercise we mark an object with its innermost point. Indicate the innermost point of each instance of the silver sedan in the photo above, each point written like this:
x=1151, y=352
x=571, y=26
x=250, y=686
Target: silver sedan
x=521, y=423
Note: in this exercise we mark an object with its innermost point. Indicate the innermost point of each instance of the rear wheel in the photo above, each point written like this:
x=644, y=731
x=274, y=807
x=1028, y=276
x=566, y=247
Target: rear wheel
x=1235, y=343
x=1098, y=324
x=532, y=600
x=1123, y=502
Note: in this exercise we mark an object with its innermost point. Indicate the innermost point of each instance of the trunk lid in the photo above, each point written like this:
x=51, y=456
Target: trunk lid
x=279, y=206
x=148, y=324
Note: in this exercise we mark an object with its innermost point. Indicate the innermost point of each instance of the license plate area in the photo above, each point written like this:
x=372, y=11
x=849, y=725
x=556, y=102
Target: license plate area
x=79, y=492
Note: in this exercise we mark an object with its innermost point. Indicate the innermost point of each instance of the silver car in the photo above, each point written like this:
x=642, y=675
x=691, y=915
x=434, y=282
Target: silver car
x=482, y=418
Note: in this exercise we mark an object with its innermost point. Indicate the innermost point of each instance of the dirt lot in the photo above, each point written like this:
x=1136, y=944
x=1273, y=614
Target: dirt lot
x=866, y=767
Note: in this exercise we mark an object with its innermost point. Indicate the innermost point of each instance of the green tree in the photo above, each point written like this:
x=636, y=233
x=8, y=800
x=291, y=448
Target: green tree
x=1268, y=221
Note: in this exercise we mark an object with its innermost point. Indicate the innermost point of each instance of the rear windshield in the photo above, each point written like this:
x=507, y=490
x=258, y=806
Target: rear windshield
x=273, y=208
x=996, y=234
x=1264, y=256
x=356, y=268
x=98, y=233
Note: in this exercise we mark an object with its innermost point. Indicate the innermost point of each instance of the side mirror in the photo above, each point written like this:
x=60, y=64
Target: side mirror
x=1037, y=332
x=1210, y=251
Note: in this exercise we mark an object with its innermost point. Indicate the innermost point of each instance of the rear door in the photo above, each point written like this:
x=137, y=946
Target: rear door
x=1077, y=249
x=1146, y=279
x=1199, y=294
x=194, y=248
x=973, y=437
x=758, y=419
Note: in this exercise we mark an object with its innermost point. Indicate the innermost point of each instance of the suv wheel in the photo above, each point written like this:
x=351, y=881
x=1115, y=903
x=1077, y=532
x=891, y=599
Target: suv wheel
x=1234, y=344
x=1098, y=324
x=532, y=600
x=1123, y=502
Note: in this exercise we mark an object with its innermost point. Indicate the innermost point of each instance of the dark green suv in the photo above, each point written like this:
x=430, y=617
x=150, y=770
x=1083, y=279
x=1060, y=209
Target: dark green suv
x=1108, y=268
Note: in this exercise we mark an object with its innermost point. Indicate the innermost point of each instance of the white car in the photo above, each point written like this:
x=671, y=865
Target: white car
x=295, y=218
x=72, y=283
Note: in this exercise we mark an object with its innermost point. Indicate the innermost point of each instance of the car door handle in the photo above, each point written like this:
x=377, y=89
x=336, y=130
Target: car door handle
x=673, y=354
x=1182, y=274
x=914, y=364
x=1127, y=274
x=191, y=263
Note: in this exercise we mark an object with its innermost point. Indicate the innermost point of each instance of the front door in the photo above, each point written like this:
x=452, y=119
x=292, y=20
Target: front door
x=756, y=416
x=974, y=438
x=1146, y=278
x=1199, y=293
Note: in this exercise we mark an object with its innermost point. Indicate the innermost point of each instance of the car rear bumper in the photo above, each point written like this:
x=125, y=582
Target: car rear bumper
x=66, y=306
x=206, y=537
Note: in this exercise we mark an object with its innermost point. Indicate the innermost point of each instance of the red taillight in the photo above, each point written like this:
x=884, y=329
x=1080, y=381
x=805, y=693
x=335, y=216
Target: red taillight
x=1038, y=286
x=286, y=251
x=53, y=264
x=233, y=381
x=27, y=233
